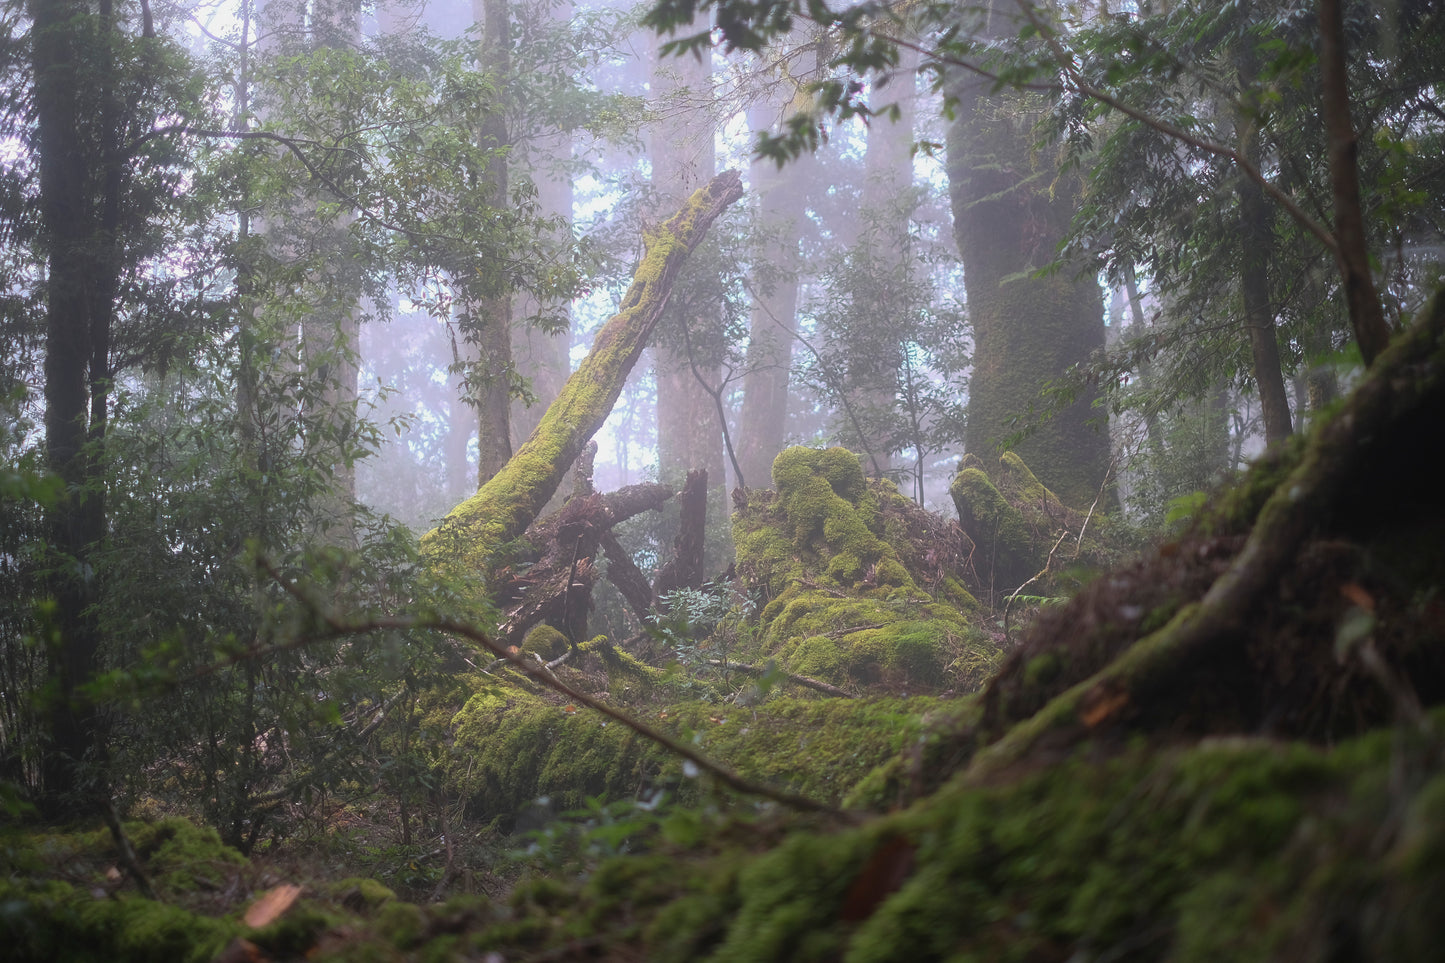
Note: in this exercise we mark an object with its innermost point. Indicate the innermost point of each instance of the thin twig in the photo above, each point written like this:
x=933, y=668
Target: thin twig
x=126, y=851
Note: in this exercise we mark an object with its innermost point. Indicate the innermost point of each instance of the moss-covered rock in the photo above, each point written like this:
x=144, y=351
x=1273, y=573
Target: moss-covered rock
x=1008, y=552
x=842, y=603
x=1243, y=850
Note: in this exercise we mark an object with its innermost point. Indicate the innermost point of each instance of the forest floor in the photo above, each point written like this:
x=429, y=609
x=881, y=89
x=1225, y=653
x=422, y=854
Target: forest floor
x=1231, y=746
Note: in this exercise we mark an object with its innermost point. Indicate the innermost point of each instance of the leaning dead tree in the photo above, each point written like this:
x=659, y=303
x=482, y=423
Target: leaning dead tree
x=471, y=539
x=555, y=587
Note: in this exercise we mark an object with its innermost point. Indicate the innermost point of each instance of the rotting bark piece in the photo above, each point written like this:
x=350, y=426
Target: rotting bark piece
x=685, y=568
x=558, y=587
x=468, y=540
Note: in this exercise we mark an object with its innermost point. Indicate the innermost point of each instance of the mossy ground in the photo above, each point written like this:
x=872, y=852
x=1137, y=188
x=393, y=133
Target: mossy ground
x=511, y=750
x=1275, y=793
x=1243, y=849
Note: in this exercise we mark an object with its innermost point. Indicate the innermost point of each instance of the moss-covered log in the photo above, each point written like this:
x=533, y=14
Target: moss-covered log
x=469, y=538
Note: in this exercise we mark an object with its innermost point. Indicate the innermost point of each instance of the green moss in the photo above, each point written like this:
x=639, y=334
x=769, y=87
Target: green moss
x=841, y=602
x=1004, y=544
x=296, y=931
x=468, y=542
x=1016, y=480
x=509, y=753
x=181, y=856
x=401, y=924
x=545, y=641
x=1043, y=669
x=360, y=894
x=1233, y=850
x=43, y=921
x=817, y=657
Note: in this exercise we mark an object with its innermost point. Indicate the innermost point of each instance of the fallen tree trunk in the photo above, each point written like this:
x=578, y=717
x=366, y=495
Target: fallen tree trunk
x=468, y=540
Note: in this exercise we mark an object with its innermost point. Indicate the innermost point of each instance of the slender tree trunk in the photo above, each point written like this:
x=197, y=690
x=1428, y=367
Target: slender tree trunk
x=543, y=358
x=689, y=434
x=492, y=379
x=1366, y=316
x=1146, y=369
x=546, y=358
x=782, y=197
x=887, y=180
x=1256, y=241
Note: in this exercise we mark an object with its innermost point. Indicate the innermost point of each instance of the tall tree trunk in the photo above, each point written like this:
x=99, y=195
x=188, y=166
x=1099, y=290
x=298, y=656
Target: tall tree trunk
x=331, y=333
x=79, y=215
x=1256, y=241
x=782, y=198
x=1146, y=367
x=542, y=357
x=887, y=179
x=1010, y=209
x=1366, y=316
x=492, y=379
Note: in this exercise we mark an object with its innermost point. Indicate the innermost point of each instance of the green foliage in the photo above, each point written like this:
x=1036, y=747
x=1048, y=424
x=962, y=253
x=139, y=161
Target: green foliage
x=699, y=626
x=888, y=343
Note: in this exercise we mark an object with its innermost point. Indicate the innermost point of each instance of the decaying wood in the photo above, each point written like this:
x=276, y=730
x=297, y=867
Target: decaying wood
x=469, y=539
x=557, y=588
x=685, y=569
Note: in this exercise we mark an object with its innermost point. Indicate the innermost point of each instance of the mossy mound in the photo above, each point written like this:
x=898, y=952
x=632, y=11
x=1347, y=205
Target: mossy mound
x=841, y=603
x=1246, y=850
x=1018, y=529
x=63, y=896
x=1243, y=849
x=512, y=749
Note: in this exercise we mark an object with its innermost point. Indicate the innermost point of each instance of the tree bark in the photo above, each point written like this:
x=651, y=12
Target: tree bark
x=1366, y=316
x=491, y=317
x=689, y=434
x=685, y=569
x=1010, y=209
x=80, y=201
x=782, y=197
x=1256, y=241
x=469, y=538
